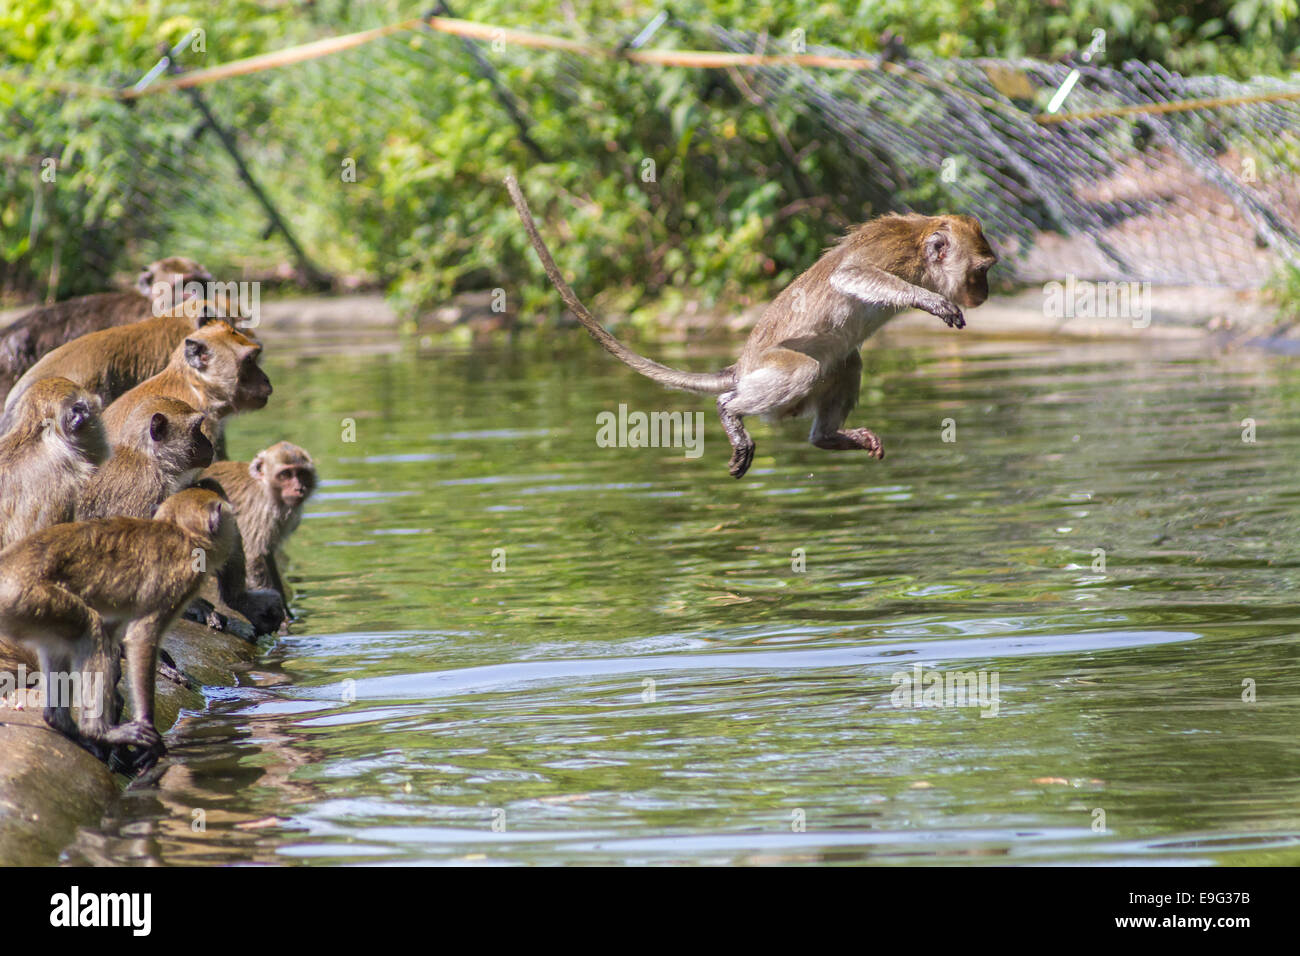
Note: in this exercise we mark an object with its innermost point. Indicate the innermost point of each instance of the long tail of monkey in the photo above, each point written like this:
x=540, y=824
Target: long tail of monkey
x=704, y=383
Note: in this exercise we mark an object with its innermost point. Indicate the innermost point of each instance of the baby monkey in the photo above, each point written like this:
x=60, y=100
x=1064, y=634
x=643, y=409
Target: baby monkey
x=802, y=357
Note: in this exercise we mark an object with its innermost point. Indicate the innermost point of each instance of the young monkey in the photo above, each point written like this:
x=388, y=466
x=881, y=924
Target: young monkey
x=75, y=593
x=267, y=494
x=802, y=356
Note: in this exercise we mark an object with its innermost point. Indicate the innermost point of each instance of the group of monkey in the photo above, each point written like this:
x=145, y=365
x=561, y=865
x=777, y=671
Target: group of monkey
x=116, y=503
x=111, y=521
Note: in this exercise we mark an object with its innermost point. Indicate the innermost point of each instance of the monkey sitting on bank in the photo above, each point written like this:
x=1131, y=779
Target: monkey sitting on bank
x=159, y=287
x=267, y=494
x=47, y=456
x=113, y=361
x=164, y=446
x=214, y=370
x=75, y=593
x=802, y=356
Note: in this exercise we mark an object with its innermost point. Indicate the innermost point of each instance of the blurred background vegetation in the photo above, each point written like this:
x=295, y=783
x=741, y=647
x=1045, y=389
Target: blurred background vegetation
x=729, y=215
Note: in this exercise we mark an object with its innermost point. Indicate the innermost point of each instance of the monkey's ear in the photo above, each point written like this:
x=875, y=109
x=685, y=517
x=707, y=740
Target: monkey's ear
x=257, y=467
x=158, y=426
x=214, y=517
x=197, y=354
x=936, y=247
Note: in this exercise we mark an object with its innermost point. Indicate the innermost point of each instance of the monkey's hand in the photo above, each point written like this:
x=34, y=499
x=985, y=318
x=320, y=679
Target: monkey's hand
x=264, y=609
x=945, y=310
x=140, y=734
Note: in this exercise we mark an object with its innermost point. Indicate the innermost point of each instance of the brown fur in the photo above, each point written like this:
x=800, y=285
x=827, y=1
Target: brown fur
x=167, y=443
x=113, y=361
x=802, y=356
x=267, y=494
x=76, y=592
x=214, y=370
x=41, y=330
x=54, y=442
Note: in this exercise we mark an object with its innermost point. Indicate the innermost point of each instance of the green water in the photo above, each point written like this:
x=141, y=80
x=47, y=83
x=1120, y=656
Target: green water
x=650, y=679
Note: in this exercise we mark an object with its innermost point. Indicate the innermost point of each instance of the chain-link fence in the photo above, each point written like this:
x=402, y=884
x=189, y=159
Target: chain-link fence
x=1205, y=196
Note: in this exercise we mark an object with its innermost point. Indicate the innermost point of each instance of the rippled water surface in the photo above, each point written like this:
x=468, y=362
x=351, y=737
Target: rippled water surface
x=651, y=679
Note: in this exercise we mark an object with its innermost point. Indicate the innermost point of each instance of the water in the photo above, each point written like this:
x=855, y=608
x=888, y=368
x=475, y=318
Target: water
x=650, y=680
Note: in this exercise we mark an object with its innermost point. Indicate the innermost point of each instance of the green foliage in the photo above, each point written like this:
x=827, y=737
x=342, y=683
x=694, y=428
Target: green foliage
x=728, y=212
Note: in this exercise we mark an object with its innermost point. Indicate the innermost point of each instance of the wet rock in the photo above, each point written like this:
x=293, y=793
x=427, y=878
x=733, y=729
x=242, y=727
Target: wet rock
x=50, y=786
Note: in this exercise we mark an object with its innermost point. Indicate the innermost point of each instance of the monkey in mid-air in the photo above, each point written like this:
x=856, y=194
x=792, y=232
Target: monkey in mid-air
x=267, y=494
x=110, y=362
x=802, y=356
x=75, y=593
x=47, y=456
x=214, y=370
x=159, y=288
x=165, y=445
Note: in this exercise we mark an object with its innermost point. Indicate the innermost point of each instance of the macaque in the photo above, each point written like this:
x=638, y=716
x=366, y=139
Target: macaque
x=802, y=357
x=77, y=593
x=113, y=361
x=267, y=494
x=47, y=456
x=159, y=288
x=166, y=445
x=214, y=370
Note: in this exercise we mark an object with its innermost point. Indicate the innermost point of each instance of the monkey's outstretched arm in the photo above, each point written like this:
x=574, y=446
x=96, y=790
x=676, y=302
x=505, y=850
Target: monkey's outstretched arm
x=704, y=383
x=878, y=287
x=264, y=609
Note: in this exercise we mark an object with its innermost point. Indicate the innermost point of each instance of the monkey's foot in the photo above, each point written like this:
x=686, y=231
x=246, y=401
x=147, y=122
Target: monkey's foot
x=202, y=611
x=852, y=439
x=168, y=670
x=741, y=459
x=137, y=747
x=138, y=733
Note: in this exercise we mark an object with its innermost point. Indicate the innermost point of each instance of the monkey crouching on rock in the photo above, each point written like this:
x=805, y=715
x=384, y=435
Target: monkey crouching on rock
x=75, y=593
x=162, y=448
x=267, y=494
x=214, y=369
x=802, y=357
x=54, y=442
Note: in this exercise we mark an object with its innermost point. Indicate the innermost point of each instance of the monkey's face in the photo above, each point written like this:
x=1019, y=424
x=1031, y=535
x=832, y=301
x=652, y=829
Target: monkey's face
x=227, y=360
x=287, y=473
x=958, y=259
x=293, y=485
x=165, y=281
x=254, y=387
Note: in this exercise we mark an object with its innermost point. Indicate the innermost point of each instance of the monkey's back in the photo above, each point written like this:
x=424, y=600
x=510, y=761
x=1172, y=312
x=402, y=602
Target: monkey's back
x=44, y=329
x=107, y=562
x=810, y=316
x=111, y=361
